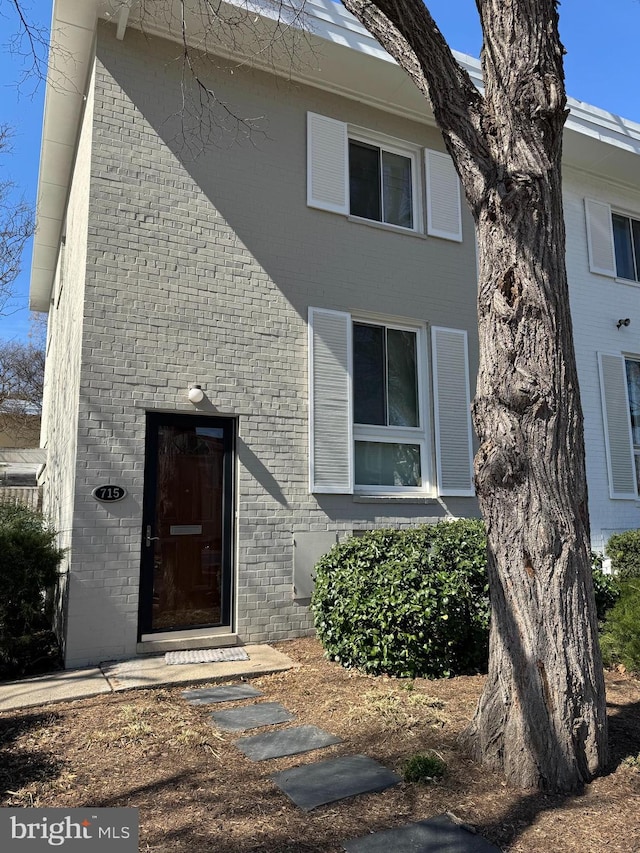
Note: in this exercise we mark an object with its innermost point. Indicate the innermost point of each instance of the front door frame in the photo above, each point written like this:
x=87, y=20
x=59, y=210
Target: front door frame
x=229, y=426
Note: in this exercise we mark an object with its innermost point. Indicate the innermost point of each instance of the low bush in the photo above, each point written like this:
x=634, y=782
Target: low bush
x=29, y=561
x=620, y=636
x=623, y=549
x=424, y=767
x=407, y=603
x=607, y=592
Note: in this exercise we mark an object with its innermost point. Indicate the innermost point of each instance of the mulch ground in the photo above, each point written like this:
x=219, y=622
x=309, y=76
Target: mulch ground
x=196, y=792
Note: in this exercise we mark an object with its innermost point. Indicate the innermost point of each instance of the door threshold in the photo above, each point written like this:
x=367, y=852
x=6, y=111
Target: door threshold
x=181, y=643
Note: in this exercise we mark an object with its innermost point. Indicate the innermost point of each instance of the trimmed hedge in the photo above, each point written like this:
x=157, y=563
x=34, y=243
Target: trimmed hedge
x=29, y=563
x=406, y=602
x=624, y=551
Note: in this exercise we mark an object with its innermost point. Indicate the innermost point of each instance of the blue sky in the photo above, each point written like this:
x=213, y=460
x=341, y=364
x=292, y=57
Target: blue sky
x=601, y=68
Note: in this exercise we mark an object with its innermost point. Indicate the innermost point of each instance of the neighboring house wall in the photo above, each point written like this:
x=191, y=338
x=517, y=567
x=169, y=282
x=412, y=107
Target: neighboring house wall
x=598, y=302
x=28, y=495
x=203, y=270
x=18, y=432
x=63, y=364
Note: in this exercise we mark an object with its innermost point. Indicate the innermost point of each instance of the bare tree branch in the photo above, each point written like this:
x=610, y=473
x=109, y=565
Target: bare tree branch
x=16, y=227
x=28, y=41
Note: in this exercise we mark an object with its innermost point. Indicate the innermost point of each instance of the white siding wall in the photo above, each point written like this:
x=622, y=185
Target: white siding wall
x=597, y=303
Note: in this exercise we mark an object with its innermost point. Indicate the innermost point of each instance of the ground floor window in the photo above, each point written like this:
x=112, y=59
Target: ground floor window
x=632, y=368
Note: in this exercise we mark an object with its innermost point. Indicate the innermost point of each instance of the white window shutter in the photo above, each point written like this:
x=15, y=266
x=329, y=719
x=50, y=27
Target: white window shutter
x=602, y=258
x=327, y=164
x=444, y=216
x=330, y=419
x=617, y=427
x=452, y=411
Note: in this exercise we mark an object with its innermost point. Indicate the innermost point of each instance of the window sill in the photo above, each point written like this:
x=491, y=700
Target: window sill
x=628, y=281
x=384, y=226
x=395, y=499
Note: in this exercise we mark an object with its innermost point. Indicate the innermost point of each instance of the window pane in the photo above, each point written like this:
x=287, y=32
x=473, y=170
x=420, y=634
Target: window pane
x=369, y=392
x=633, y=388
x=396, y=183
x=402, y=378
x=622, y=244
x=383, y=464
x=635, y=226
x=364, y=180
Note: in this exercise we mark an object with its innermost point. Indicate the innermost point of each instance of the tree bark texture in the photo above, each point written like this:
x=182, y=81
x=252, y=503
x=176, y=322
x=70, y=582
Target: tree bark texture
x=542, y=716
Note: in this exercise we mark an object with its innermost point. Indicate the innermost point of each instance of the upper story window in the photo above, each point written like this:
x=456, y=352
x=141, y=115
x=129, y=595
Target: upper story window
x=376, y=178
x=613, y=241
x=626, y=242
x=381, y=184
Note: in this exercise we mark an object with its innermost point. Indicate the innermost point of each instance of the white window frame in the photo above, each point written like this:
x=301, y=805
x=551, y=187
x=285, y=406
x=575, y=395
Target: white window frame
x=625, y=215
x=635, y=448
x=419, y=435
x=403, y=149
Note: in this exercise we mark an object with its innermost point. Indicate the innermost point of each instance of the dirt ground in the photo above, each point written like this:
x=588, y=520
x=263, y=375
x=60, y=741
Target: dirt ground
x=196, y=792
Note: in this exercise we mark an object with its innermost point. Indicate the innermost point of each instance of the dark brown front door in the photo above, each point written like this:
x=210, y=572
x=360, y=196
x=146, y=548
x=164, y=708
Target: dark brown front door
x=187, y=523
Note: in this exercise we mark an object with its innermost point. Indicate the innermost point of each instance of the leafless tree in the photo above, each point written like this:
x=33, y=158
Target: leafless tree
x=21, y=382
x=16, y=226
x=27, y=41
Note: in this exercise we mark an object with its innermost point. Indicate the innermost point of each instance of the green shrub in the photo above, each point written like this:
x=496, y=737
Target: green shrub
x=408, y=603
x=424, y=767
x=620, y=637
x=607, y=592
x=624, y=551
x=29, y=563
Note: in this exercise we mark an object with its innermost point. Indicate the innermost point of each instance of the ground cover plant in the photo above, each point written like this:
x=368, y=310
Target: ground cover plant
x=197, y=793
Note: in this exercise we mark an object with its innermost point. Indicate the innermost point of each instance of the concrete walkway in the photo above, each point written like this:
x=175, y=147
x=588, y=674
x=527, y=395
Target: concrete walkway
x=112, y=677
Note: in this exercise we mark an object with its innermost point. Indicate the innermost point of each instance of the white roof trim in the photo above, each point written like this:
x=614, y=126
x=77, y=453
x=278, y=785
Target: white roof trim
x=595, y=140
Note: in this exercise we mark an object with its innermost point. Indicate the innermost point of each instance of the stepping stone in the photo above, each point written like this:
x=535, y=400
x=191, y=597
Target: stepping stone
x=285, y=742
x=437, y=835
x=211, y=695
x=315, y=785
x=251, y=717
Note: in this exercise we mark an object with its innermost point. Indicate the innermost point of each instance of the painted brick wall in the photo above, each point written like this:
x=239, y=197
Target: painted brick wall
x=63, y=364
x=597, y=303
x=202, y=270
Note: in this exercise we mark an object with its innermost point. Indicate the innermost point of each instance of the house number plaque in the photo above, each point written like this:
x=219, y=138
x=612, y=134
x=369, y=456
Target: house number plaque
x=109, y=494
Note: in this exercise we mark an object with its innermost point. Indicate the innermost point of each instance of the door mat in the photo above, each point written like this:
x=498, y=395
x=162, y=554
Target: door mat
x=313, y=785
x=291, y=741
x=205, y=656
x=437, y=835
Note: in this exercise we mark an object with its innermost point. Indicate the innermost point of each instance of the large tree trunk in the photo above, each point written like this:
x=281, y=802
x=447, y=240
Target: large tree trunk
x=542, y=715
